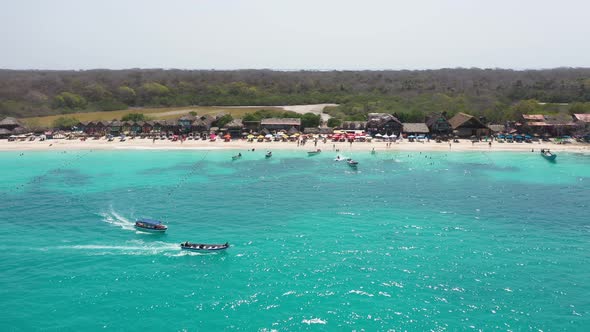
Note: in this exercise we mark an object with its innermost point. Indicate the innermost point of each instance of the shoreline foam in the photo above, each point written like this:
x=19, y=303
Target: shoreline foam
x=343, y=147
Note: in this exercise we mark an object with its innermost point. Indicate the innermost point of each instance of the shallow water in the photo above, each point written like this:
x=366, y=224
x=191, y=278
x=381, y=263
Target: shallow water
x=408, y=241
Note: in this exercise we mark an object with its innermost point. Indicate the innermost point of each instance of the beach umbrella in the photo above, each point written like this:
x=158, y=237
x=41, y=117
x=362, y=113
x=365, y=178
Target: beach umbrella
x=268, y=136
x=378, y=135
x=260, y=136
x=411, y=136
x=250, y=136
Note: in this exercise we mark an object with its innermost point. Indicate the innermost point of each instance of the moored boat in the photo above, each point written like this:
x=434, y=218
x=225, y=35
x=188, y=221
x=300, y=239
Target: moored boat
x=203, y=247
x=352, y=163
x=313, y=153
x=268, y=154
x=236, y=157
x=150, y=225
x=548, y=155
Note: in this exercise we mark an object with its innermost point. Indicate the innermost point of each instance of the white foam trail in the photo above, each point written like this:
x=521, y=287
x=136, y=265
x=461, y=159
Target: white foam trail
x=116, y=219
x=313, y=321
x=360, y=292
x=130, y=247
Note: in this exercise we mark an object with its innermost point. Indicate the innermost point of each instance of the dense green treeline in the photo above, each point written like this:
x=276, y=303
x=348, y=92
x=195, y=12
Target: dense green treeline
x=496, y=94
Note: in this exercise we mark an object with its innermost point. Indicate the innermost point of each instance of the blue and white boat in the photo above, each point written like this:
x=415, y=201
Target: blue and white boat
x=548, y=155
x=203, y=247
x=150, y=225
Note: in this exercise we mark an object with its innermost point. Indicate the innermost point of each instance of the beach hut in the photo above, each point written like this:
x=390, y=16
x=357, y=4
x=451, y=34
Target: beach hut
x=5, y=133
x=383, y=123
x=10, y=123
x=416, y=129
x=274, y=124
x=465, y=125
x=438, y=124
x=235, y=127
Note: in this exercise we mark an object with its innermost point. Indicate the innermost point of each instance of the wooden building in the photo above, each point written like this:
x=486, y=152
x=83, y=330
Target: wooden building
x=235, y=128
x=416, y=129
x=275, y=124
x=354, y=125
x=383, y=123
x=439, y=125
x=465, y=125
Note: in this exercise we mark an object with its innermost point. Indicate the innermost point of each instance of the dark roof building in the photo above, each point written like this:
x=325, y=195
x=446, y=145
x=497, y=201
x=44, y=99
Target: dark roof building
x=383, y=123
x=10, y=123
x=354, y=125
x=438, y=124
x=465, y=125
x=280, y=123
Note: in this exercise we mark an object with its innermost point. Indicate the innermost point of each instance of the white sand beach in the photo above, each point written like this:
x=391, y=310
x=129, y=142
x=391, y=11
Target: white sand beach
x=146, y=144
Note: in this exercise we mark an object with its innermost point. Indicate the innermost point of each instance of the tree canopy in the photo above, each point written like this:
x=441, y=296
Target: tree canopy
x=498, y=94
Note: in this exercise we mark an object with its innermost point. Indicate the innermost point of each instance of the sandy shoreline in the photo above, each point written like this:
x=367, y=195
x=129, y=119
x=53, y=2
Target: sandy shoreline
x=147, y=144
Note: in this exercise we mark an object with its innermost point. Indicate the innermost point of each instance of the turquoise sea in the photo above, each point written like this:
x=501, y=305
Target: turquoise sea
x=408, y=241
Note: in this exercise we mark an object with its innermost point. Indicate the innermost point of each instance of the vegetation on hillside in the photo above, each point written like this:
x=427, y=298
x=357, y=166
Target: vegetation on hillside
x=496, y=94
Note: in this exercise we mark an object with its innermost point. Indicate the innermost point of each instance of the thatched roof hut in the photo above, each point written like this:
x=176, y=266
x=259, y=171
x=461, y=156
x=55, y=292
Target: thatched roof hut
x=383, y=123
x=466, y=125
x=9, y=123
x=5, y=133
x=235, y=123
x=354, y=125
x=438, y=124
x=416, y=128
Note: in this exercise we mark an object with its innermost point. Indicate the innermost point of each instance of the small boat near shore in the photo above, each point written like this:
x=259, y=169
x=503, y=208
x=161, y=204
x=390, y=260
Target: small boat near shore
x=268, y=154
x=150, y=225
x=548, y=155
x=236, y=157
x=313, y=153
x=352, y=163
x=203, y=247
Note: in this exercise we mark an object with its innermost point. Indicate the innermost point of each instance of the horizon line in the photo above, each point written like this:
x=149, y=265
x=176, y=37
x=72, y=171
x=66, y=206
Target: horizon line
x=298, y=69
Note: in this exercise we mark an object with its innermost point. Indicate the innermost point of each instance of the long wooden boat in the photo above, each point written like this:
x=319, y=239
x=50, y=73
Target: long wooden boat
x=313, y=153
x=548, y=155
x=150, y=225
x=236, y=157
x=203, y=247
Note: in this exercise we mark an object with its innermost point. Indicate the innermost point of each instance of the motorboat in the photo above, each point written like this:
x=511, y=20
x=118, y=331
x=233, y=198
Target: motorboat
x=548, y=155
x=150, y=225
x=203, y=247
x=352, y=163
x=236, y=157
x=313, y=153
x=268, y=154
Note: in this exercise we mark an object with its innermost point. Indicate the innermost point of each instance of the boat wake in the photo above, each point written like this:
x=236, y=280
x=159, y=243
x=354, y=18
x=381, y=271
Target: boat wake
x=116, y=219
x=135, y=247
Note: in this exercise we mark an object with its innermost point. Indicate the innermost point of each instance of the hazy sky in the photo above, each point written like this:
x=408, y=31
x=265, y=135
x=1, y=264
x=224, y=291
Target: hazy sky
x=302, y=34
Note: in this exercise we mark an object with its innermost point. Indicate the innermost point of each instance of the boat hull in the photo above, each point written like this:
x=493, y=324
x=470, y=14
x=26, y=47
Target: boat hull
x=203, y=247
x=550, y=157
x=151, y=230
